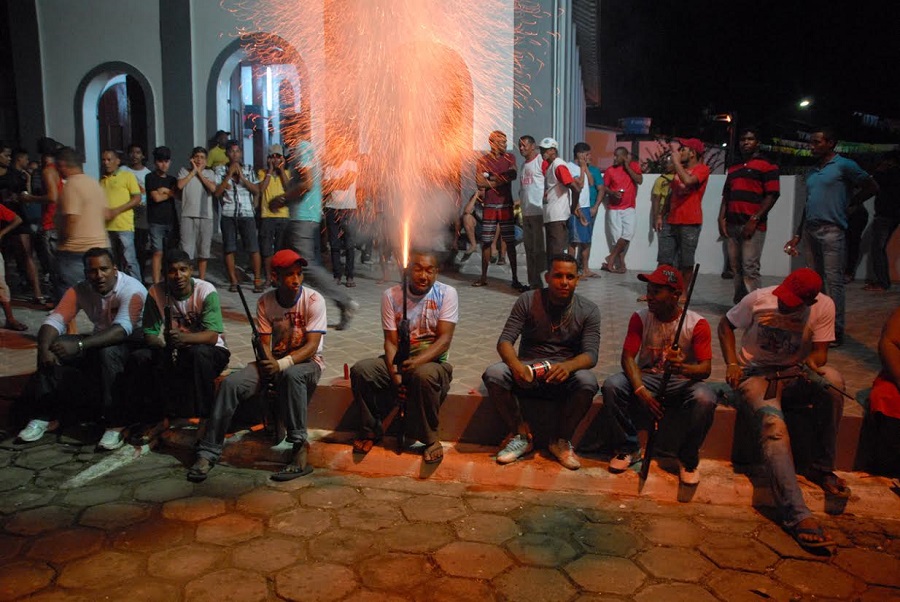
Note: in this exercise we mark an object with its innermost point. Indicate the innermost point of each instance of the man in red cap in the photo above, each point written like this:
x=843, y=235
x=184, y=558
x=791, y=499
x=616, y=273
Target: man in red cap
x=784, y=326
x=291, y=325
x=681, y=229
x=631, y=395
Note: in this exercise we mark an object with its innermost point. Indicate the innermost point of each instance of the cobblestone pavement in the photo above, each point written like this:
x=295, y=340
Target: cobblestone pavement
x=142, y=532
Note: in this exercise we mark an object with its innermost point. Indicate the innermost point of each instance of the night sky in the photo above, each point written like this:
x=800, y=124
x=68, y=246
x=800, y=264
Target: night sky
x=668, y=60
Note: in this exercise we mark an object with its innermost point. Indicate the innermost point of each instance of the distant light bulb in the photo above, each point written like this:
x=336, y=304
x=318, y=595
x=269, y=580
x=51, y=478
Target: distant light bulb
x=724, y=144
x=805, y=103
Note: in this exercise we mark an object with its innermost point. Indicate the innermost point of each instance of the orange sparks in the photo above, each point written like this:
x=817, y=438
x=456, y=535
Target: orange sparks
x=405, y=243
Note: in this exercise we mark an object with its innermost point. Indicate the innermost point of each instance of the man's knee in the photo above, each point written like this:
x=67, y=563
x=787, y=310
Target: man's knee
x=614, y=385
x=498, y=375
x=583, y=381
x=772, y=428
x=364, y=369
x=431, y=373
x=704, y=397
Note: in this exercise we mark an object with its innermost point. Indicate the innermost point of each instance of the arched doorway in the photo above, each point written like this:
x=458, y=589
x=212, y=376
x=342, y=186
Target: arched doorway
x=113, y=108
x=256, y=91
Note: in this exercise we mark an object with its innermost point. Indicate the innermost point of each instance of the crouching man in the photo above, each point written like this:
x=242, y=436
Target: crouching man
x=560, y=334
x=784, y=349
x=633, y=395
x=291, y=325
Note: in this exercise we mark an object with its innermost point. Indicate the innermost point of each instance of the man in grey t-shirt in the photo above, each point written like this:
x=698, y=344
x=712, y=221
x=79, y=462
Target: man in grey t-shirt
x=560, y=340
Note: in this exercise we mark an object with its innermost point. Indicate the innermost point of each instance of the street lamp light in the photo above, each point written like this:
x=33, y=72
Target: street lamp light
x=804, y=103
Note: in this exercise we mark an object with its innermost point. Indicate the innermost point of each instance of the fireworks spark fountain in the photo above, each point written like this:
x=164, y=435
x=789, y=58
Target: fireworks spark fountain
x=402, y=87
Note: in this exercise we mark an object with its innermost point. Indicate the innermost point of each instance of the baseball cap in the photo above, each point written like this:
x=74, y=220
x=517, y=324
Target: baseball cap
x=285, y=258
x=799, y=288
x=276, y=149
x=549, y=142
x=665, y=275
x=694, y=144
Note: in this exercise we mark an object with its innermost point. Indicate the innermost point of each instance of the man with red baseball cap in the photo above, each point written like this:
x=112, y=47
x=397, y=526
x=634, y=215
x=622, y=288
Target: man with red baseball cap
x=631, y=396
x=784, y=326
x=681, y=229
x=291, y=326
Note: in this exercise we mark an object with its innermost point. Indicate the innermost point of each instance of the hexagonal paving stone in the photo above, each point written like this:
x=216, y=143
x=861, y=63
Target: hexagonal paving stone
x=541, y=549
x=315, y=582
x=530, y=583
x=879, y=594
x=10, y=546
x=45, y=456
x=739, y=554
x=153, y=535
x=492, y=503
x=675, y=592
x=433, y=508
x=365, y=595
x=370, y=516
x=145, y=590
x=93, y=496
x=384, y=495
x=330, y=496
x=817, y=579
x=608, y=539
x=471, y=559
x=667, y=531
x=545, y=519
x=395, y=572
x=58, y=594
x=226, y=484
x=23, y=499
x=872, y=567
x=228, y=529
x=675, y=563
x=268, y=554
x=239, y=585
x=606, y=574
x=454, y=589
x=784, y=545
x=114, y=515
x=163, y=490
x=416, y=537
x=265, y=502
x=40, y=520
x=737, y=586
x=101, y=570
x=486, y=528
x=731, y=526
x=344, y=546
x=193, y=509
x=184, y=562
x=301, y=522
x=62, y=546
x=23, y=578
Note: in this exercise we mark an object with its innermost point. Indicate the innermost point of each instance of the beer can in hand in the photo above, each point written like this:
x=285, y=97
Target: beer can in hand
x=539, y=370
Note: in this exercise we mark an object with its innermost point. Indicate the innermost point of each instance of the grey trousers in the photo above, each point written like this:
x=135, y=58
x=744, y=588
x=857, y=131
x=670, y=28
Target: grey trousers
x=557, y=239
x=426, y=390
x=301, y=236
x=293, y=388
x=535, y=250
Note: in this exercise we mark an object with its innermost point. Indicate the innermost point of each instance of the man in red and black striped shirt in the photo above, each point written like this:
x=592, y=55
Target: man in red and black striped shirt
x=750, y=191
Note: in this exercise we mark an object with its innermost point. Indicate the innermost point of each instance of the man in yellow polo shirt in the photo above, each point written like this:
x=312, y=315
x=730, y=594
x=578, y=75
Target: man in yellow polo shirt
x=217, y=154
x=272, y=182
x=123, y=194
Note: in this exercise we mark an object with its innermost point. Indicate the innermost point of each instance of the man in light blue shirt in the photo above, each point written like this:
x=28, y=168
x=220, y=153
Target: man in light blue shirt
x=824, y=223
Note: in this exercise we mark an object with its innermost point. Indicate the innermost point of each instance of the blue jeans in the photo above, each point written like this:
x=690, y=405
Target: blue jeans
x=743, y=257
x=122, y=245
x=826, y=253
x=71, y=271
x=828, y=407
x=882, y=230
x=690, y=397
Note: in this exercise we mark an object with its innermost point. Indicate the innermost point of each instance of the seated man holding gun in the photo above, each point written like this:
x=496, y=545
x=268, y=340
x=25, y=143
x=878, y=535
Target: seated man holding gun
x=784, y=349
x=428, y=312
x=288, y=349
x=666, y=356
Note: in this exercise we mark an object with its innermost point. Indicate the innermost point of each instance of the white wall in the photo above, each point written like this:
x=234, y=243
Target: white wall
x=642, y=252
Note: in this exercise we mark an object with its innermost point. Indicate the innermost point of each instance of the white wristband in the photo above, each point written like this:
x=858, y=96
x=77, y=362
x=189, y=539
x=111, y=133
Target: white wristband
x=285, y=363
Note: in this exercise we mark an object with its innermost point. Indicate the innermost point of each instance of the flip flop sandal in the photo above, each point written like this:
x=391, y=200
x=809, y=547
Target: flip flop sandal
x=16, y=326
x=200, y=470
x=433, y=454
x=363, y=445
x=832, y=485
x=289, y=473
x=605, y=267
x=818, y=532
x=232, y=288
x=479, y=283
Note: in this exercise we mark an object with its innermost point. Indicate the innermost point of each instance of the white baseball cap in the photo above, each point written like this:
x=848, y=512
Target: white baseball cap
x=549, y=142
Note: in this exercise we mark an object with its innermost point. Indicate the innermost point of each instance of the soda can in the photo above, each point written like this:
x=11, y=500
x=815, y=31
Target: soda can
x=539, y=370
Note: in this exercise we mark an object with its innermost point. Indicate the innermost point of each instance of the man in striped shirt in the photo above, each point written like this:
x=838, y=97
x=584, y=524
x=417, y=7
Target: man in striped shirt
x=750, y=191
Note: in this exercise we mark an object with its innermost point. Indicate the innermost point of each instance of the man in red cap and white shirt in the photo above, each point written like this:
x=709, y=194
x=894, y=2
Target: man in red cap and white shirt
x=561, y=192
x=291, y=326
x=631, y=395
x=784, y=326
x=681, y=229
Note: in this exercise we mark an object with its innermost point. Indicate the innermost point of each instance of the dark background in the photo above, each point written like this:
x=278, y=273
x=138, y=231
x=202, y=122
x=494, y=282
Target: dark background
x=670, y=60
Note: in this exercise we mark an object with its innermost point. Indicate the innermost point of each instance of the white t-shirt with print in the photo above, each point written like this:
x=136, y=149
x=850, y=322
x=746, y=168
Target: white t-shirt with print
x=440, y=304
x=532, y=187
x=290, y=325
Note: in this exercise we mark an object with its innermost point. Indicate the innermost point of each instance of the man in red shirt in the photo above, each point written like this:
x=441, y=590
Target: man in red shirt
x=681, y=230
x=494, y=173
x=621, y=181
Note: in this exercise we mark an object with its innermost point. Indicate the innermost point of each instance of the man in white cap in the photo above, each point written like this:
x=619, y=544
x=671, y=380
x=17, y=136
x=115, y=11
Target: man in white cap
x=558, y=202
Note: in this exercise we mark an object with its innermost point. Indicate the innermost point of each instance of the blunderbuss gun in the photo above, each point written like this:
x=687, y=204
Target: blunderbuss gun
x=258, y=351
x=664, y=381
x=403, y=351
x=171, y=351
x=801, y=370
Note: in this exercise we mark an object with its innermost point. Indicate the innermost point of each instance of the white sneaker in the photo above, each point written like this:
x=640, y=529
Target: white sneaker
x=111, y=440
x=621, y=463
x=517, y=447
x=689, y=477
x=562, y=449
x=36, y=429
